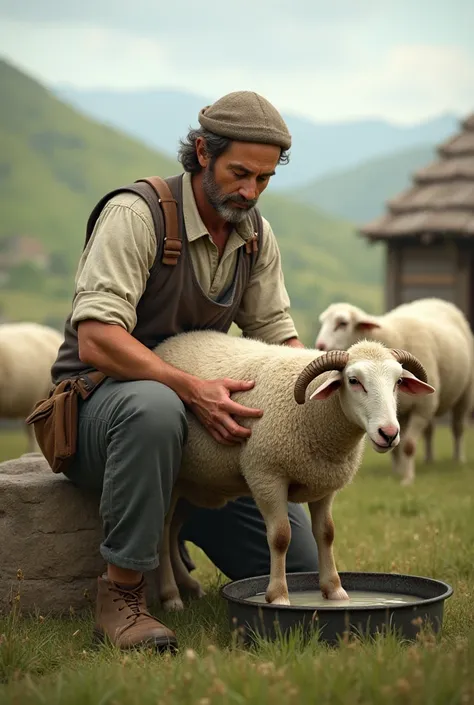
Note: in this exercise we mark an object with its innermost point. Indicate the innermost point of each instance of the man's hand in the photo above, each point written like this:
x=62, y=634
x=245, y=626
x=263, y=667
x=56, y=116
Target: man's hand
x=212, y=405
x=293, y=343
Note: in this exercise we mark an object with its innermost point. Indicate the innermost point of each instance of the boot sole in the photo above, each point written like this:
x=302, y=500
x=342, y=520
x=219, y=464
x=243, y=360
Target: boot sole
x=161, y=644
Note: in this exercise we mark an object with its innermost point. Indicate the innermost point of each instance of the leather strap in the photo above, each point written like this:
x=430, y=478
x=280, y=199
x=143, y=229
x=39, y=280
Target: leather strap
x=169, y=206
x=251, y=246
x=88, y=382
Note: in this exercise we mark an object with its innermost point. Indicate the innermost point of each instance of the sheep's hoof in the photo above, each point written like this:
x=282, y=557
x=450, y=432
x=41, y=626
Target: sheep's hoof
x=338, y=594
x=280, y=601
x=192, y=589
x=174, y=604
x=199, y=592
x=407, y=481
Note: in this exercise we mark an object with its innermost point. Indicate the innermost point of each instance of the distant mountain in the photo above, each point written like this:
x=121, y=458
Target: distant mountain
x=360, y=193
x=54, y=166
x=161, y=117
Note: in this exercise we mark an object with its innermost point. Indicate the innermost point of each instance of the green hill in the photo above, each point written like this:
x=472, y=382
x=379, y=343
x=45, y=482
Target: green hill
x=360, y=194
x=55, y=164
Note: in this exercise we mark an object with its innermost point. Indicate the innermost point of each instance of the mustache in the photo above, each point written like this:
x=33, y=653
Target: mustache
x=241, y=201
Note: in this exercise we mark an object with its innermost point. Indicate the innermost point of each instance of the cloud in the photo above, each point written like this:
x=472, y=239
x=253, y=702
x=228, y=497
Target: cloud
x=421, y=80
x=256, y=35
x=185, y=16
x=328, y=61
x=83, y=56
x=410, y=83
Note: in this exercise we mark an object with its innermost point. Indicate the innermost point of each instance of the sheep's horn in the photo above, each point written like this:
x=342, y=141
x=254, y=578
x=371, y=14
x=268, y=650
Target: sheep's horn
x=410, y=363
x=332, y=360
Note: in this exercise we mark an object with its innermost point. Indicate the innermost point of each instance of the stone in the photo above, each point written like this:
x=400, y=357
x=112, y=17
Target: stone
x=50, y=533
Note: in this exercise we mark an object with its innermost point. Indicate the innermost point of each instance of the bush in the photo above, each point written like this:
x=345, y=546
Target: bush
x=26, y=277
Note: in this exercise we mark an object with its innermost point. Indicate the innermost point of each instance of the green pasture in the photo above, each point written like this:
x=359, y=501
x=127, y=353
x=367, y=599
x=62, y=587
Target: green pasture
x=426, y=529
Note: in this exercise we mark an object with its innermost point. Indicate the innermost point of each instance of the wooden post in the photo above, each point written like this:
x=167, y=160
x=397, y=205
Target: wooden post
x=463, y=279
x=392, y=278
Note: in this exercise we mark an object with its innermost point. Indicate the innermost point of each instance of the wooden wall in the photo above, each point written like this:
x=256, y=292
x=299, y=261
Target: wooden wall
x=443, y=269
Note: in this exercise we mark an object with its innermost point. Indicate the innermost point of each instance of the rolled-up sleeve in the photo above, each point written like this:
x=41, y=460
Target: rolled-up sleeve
x=114, y=267
x=264, y=310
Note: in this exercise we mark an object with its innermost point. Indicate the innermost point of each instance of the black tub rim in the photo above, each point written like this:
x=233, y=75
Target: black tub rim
x=447, y=593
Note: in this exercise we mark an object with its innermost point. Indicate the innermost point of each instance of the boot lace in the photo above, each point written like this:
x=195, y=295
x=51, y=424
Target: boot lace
x=132, y=601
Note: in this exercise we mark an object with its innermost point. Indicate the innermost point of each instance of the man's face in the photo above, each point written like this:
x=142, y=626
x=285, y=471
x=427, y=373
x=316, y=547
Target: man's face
x=234, y=182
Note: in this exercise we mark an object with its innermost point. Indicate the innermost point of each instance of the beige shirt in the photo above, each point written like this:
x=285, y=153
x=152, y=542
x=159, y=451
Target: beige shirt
x=114, y=268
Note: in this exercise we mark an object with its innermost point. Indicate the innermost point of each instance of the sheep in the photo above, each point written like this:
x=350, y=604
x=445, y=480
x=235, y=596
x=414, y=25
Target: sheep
x=439, y=335
x=27, y=352
x=301, y=452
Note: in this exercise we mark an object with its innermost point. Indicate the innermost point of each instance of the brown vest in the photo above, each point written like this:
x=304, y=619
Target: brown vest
x=173, y=301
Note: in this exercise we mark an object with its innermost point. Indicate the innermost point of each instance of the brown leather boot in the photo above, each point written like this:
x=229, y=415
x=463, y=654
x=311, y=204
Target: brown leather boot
x=121, y=616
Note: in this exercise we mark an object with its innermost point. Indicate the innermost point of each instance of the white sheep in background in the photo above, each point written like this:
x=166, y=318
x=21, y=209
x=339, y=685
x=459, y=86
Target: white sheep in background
x=439, y=335
x=27, y=352
x=301, y=452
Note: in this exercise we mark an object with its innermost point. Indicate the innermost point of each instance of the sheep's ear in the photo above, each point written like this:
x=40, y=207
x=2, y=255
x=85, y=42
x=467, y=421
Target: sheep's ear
x=328, y=387
x=414, y=386
x=367, y=324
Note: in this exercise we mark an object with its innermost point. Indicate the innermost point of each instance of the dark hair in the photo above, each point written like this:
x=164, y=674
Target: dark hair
x=215, y=145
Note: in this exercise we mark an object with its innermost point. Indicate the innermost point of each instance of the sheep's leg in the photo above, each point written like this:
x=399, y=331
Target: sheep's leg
x=396, y=452
x=428, y=436
x=459, y=416
x=182, y=576
x=271, y=497
x=395, y=458
x=168, y=590
x=416, y=427
x=323, y=532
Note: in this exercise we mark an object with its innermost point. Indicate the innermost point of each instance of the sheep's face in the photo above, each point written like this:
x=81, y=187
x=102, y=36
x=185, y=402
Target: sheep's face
x=342, y=325
x=369, y=391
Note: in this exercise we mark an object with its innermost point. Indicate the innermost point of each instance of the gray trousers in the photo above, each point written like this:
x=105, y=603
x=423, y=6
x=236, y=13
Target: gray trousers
x=130, y=441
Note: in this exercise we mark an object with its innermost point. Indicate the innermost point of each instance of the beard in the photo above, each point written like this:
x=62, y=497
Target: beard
x=223, y=203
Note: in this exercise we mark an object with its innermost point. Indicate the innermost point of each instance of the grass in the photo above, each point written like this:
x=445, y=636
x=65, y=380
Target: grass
x=18, y=306
x=427, y=529
x=12, y=443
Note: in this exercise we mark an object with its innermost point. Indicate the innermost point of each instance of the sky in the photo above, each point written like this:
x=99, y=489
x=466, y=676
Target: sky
x=328, y=60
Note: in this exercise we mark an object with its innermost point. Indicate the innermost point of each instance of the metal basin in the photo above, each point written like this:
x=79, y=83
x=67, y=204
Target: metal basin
x=333, y=622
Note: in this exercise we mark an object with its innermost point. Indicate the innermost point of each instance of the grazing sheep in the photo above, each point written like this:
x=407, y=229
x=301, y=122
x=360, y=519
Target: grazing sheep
x=27, y=352
x=439, y=335
x=301, y=452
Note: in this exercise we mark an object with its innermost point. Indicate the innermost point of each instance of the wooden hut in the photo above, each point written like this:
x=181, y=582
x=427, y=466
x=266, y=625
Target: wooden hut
x=429, y=229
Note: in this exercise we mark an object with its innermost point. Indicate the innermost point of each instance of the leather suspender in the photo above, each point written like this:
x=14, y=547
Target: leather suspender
x=169, y=206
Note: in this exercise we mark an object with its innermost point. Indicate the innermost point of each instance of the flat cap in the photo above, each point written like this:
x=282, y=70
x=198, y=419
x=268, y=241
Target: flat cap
x=248, y=117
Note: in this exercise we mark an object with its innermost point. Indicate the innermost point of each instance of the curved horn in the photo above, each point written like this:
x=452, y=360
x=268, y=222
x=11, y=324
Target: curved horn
x=410, y=363
x=332, y=360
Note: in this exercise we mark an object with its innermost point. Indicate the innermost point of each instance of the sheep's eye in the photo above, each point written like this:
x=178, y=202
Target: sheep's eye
x=341, y=324
x=353, y=380
x=400, y=381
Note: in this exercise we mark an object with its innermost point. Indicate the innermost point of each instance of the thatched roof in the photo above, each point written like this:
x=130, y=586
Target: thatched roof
x=441, y=199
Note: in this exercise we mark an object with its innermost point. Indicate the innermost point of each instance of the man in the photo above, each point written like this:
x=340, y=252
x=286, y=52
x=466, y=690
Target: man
x=132, y=428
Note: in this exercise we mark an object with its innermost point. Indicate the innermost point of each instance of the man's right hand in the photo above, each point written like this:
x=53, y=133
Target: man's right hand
x=212, y=405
